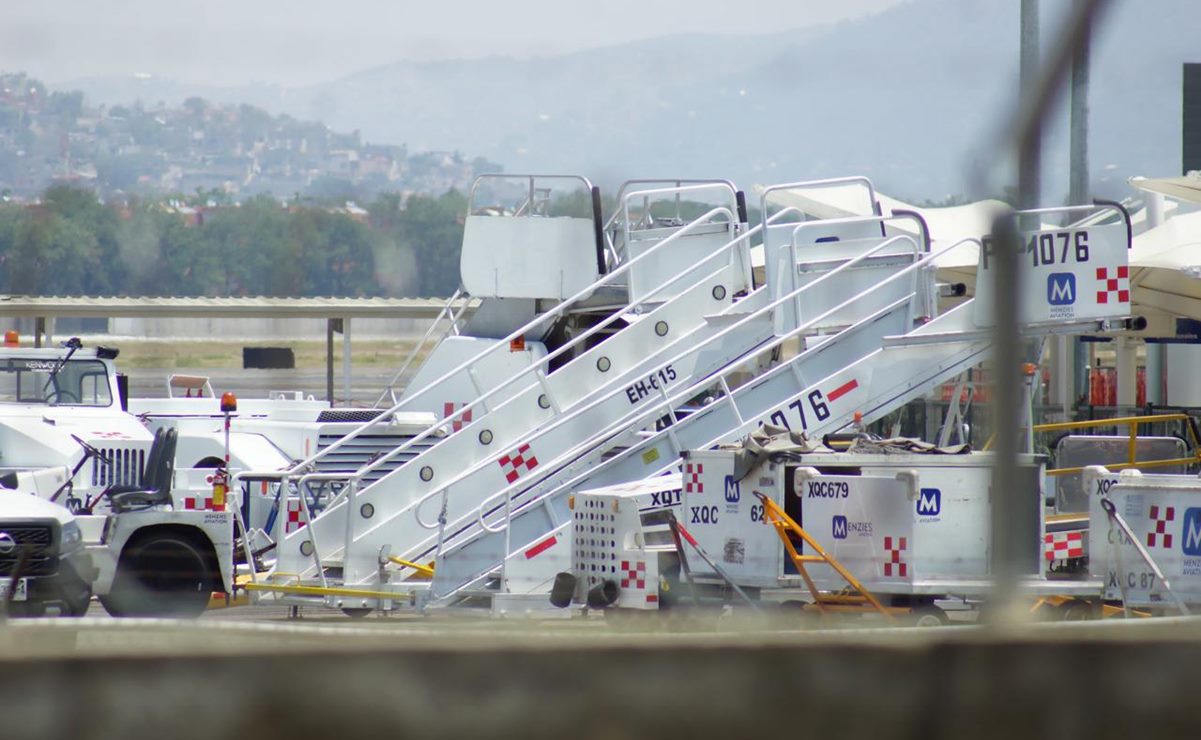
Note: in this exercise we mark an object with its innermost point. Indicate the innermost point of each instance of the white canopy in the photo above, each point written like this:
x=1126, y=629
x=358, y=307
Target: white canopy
x=1165, y=267
x=1186, y=188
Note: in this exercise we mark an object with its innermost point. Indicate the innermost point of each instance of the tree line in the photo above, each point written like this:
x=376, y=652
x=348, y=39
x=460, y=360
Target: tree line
x=72, y=244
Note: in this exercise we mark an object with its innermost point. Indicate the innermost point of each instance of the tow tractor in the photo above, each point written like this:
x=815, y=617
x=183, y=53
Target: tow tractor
x=160, y=538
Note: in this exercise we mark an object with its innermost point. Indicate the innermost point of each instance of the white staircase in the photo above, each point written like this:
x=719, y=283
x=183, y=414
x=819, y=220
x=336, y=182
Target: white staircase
x=355, y=549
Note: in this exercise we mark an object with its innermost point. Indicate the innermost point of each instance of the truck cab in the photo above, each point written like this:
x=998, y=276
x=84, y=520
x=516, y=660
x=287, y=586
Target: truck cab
x=60, y=406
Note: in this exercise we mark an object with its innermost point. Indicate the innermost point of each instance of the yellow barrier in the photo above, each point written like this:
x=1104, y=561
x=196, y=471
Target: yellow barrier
x=1132, y=424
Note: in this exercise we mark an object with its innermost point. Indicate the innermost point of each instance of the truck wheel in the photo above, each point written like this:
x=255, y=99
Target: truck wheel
x=356, y=612
x=163, y=575
x=927, y=615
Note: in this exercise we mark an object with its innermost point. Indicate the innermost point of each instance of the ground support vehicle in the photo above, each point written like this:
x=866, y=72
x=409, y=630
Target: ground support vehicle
x=1146, y=543
x=44, y=566
x=65, y=437
x=554, y=328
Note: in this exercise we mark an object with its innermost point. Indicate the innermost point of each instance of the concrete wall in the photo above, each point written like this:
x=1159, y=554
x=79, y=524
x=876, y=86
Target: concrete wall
x=400, y=684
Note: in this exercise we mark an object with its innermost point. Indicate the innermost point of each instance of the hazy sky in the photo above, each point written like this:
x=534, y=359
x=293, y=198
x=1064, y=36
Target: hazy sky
x=302, y=41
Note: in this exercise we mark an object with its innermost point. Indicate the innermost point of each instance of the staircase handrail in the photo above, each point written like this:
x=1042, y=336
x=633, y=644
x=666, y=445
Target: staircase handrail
x=454, y=327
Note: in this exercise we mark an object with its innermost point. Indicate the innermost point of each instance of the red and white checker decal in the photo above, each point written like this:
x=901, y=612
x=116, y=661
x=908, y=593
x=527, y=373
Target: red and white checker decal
x=692, y=478
x=195, y=503
x=893, y=562
x=633, y=574
x=842, y=390
x=541, y=547
x=513, y=464
x=111, y=435
x=1063, y=545
x=1115, y=282
x=1161, y=517
x=295, y=518
x=448, y=410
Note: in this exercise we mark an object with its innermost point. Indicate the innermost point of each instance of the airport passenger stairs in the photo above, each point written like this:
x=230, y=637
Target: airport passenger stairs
x=657, y=313
x=869, y=369
x=841, y=258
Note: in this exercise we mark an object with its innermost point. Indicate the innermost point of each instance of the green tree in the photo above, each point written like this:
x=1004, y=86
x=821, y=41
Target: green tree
x=433, y=228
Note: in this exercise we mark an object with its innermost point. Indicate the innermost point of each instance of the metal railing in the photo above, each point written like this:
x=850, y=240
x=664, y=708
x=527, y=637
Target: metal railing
x=1132, y=424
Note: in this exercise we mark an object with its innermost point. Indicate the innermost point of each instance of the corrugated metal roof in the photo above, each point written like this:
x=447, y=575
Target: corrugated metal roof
x=254, y=307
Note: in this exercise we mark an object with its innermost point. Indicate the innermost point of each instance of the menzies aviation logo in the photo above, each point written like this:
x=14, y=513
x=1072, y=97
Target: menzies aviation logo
x=1192, y=532
x=1061, y=289
x=733, y=491
x=929, y=502
x=839, y=527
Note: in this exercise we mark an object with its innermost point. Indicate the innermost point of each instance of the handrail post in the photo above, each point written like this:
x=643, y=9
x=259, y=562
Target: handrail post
x=352, y=486
x=441, y=542
x=504, y=560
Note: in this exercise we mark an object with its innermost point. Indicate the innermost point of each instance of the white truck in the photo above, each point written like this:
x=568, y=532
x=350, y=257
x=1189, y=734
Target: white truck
x=159, y=538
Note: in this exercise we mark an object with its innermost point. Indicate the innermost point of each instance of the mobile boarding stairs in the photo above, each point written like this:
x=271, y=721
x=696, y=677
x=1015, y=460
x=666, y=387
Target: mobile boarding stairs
x=860, y=303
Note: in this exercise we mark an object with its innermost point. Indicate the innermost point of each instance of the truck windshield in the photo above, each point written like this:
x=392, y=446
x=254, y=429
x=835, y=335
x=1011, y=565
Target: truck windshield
x=78, y=383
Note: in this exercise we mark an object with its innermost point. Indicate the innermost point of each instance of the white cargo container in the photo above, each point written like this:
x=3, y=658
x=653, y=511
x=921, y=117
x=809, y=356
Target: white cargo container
x=906, y=524
x=1163, y=513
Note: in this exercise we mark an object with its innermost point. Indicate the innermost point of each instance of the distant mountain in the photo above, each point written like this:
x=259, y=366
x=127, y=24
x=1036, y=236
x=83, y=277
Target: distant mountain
x=908, y=97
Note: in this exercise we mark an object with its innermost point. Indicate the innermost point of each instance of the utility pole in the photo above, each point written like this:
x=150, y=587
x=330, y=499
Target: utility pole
x=1075, y=375
x=1030, y=155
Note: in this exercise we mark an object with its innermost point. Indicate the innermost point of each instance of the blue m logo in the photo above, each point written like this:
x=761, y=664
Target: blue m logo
x=929, y=502
x=1061, y=289
x=840, y=527
x=733, y=492
x=1192, y=531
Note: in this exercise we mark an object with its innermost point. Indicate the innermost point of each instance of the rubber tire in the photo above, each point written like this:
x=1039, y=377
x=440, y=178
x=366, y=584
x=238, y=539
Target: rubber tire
x=928, y=615
x=357, y=612
x=164, y=575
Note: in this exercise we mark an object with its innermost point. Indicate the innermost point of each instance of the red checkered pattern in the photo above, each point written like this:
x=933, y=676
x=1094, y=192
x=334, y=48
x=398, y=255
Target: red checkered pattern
x=448, y=410
x=1063, y=545
x=513, y=464
x=195, y=503
x=633, y=574
x=892, y=561
x=295, y=518
x=1118, y=285
x=1161, y=517
x=692, y=478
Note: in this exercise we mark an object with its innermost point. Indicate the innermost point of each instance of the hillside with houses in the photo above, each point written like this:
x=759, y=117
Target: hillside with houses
x=215, y=153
